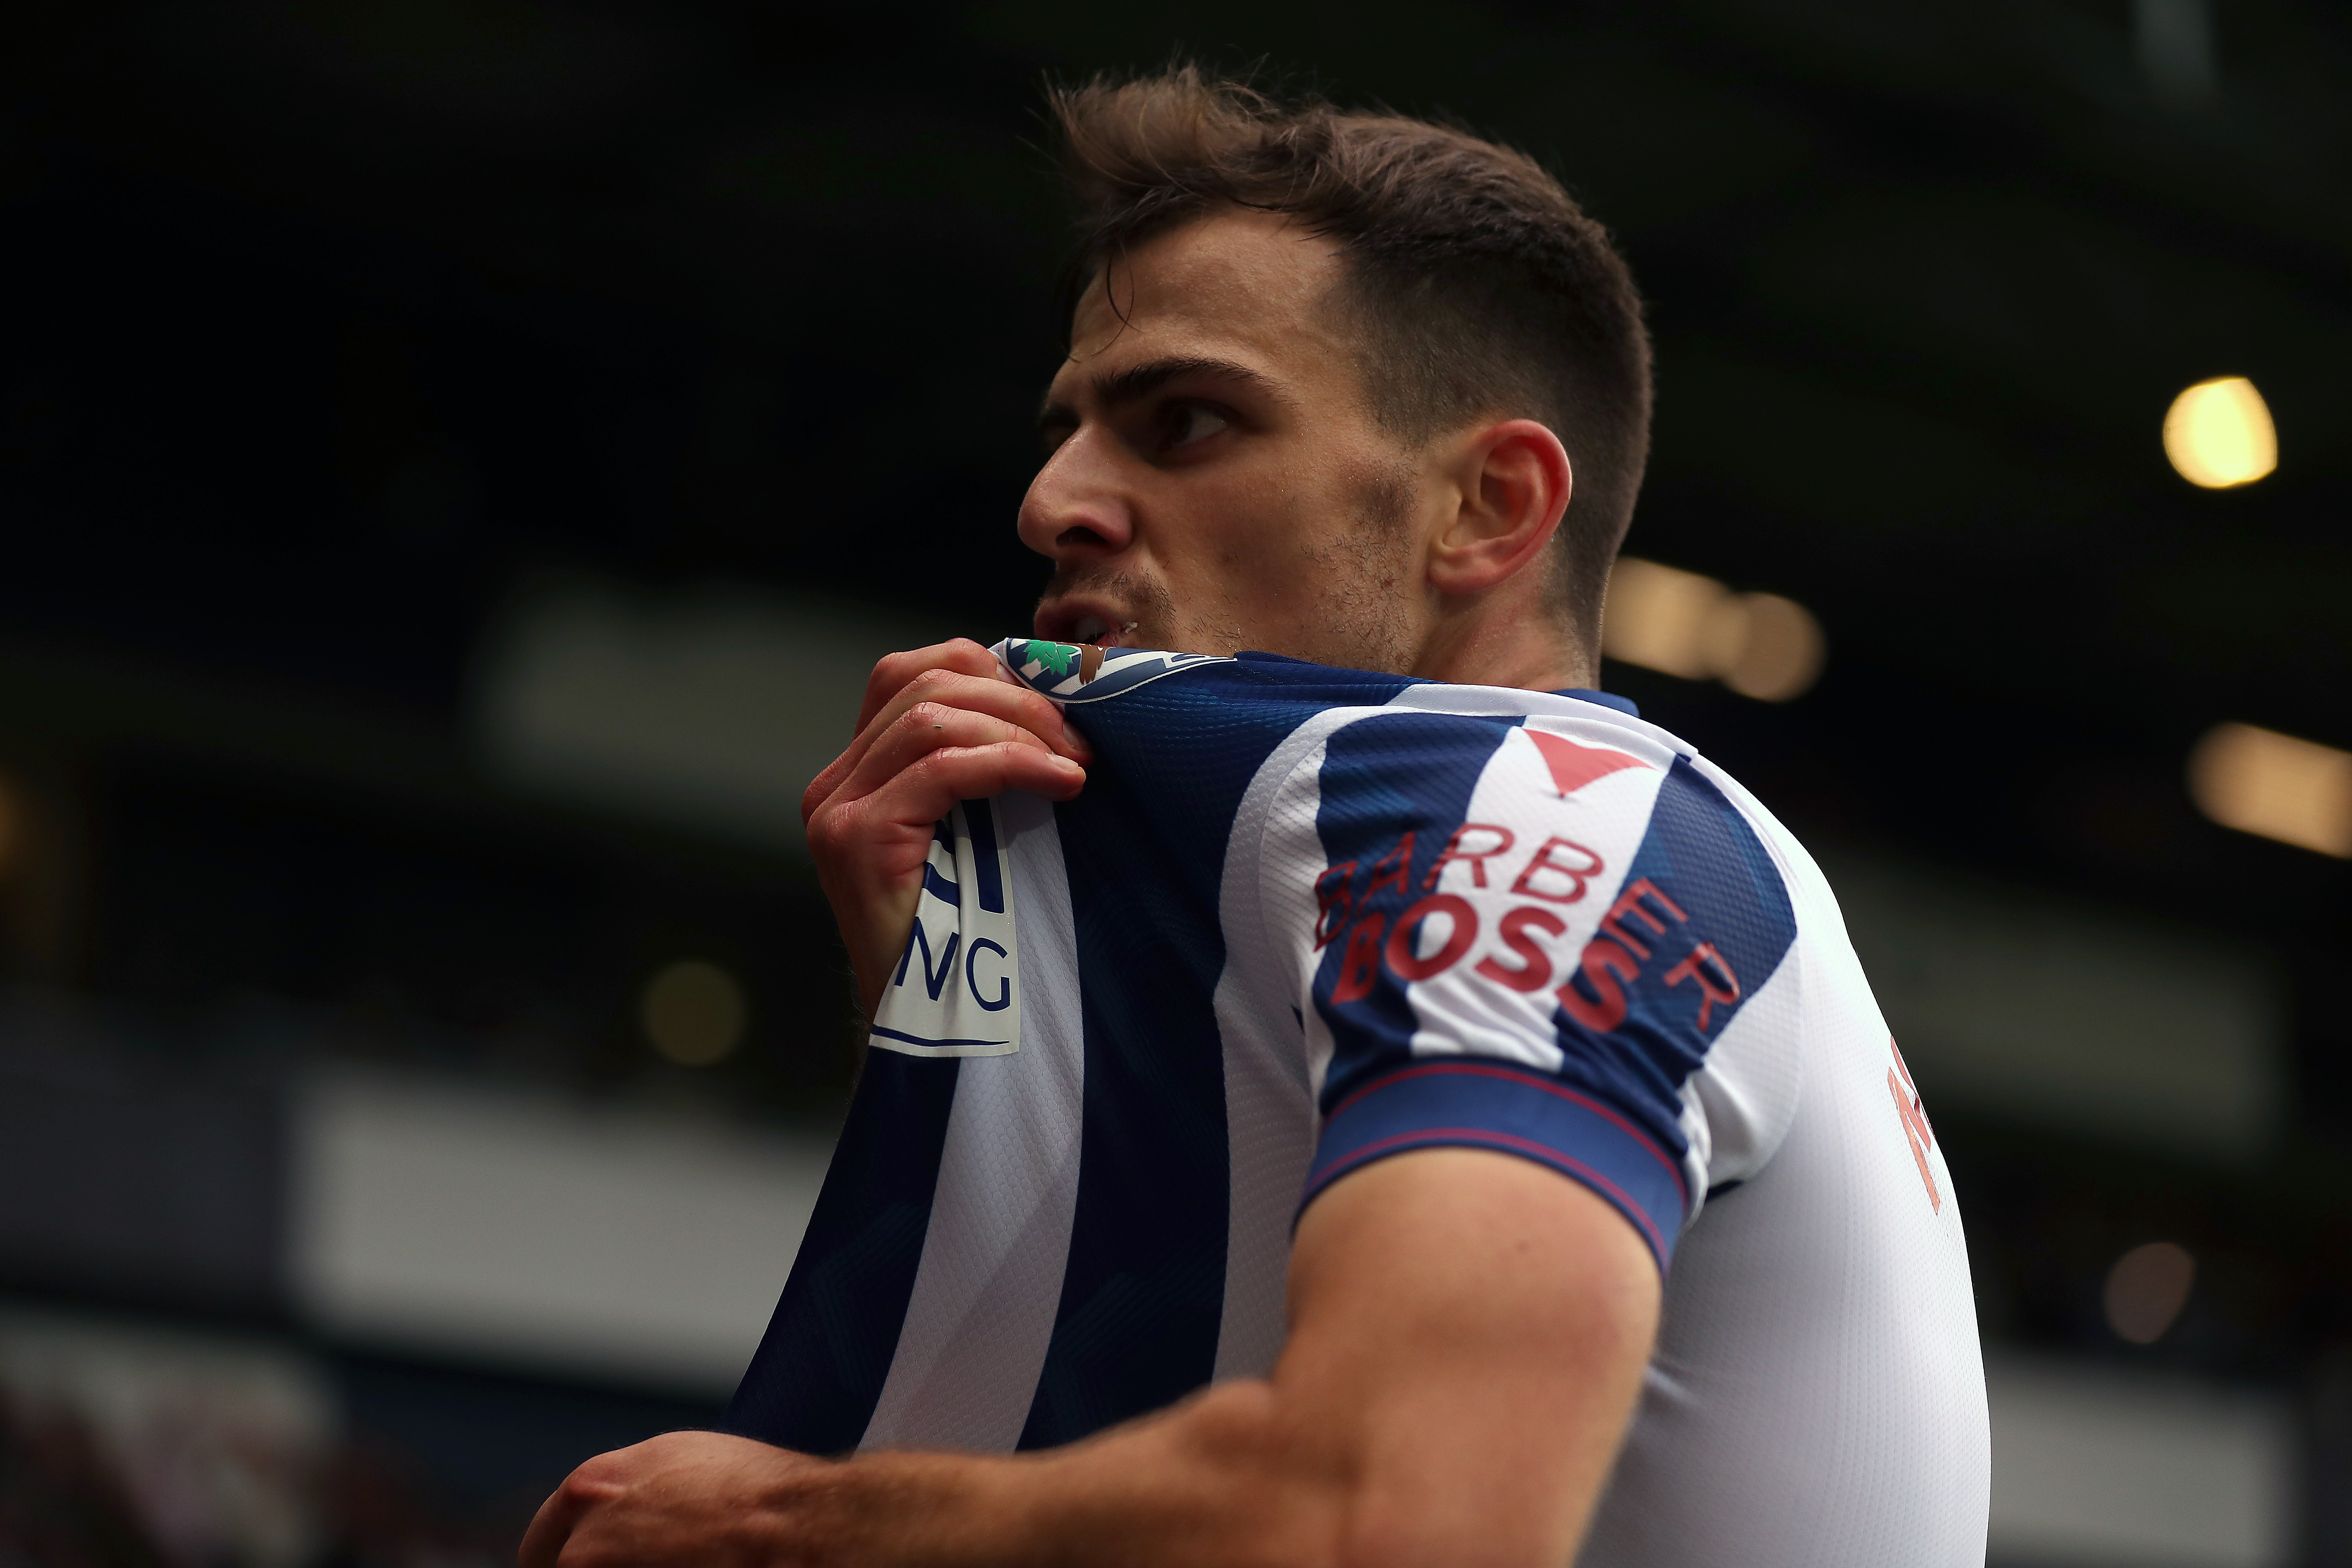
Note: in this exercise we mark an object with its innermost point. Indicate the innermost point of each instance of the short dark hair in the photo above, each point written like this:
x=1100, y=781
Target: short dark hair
x=1479, y=286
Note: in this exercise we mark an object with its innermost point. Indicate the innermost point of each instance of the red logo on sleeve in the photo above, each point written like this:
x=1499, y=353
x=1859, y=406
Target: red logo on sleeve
x=1437, y=930
x=1913, y=1114
x=1389, y=921
x=1573, y=766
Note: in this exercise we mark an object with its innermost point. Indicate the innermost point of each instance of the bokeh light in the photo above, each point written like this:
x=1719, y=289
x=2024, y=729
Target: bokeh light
x=1658, y=617
x=2219, y=433
x=1779, y=651
x=2260, y=781
x=1683, y=623
x=693, y=1013
x=2147, y=1288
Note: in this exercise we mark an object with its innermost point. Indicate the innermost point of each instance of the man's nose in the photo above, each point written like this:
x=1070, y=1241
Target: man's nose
x=1075, y=506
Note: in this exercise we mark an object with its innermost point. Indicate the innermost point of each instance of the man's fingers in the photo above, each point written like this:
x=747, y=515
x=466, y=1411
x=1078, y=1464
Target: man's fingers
x=923, y=792
x=870, y=848
x=551, y=1527
x=1014, y=703
x=939, y=725
x=925, y=789
x=930, y=727
x=893, y=671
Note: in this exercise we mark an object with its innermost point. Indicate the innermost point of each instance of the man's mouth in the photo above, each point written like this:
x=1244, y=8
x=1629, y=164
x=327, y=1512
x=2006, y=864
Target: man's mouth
x=1094, y=626
x=1091, y=602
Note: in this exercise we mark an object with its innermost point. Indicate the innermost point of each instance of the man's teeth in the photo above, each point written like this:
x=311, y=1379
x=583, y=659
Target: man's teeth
x=1090, y=628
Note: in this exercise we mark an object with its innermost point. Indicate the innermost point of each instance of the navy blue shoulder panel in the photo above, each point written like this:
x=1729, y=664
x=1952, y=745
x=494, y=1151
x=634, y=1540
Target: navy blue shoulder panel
x=813, y=1382
x=1393, y=790
x=1702, y=921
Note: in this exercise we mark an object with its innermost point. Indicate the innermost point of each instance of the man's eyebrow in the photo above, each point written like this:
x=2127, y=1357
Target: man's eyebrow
x=1137, y=381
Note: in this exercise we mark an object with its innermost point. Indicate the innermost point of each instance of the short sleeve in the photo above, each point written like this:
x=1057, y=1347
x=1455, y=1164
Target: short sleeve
x=1528, y=937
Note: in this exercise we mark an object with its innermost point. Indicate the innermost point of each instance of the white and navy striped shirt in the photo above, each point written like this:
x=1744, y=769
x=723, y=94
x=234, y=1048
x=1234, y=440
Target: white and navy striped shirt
x=1303, y=917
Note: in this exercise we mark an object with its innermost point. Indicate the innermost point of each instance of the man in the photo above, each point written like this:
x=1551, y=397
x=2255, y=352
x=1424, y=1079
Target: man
x=1620, y=1233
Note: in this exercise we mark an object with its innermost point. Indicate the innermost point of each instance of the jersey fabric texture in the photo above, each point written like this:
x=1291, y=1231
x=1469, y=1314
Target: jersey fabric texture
x=1301, y=919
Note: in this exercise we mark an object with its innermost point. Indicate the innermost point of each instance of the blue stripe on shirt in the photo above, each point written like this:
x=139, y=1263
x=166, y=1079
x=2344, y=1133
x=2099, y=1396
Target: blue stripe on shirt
x=1703, y=921
x=813, y=1383
x=1694, y=959
x=1143, y=1293
x=1384, y=778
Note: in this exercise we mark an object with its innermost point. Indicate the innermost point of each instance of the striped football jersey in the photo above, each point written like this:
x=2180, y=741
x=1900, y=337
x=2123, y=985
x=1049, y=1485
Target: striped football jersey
x=1301, y=919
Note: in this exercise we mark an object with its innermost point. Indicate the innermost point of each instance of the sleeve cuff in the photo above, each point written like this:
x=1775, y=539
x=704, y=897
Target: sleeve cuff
x=1491, y=1105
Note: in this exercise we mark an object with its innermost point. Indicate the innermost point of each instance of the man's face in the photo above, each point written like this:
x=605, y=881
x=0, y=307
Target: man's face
x=1214, y=479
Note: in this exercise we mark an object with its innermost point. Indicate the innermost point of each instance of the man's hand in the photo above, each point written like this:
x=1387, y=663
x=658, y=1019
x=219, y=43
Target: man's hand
x=939, y=724
x=705, y=1500
x=685, y=1497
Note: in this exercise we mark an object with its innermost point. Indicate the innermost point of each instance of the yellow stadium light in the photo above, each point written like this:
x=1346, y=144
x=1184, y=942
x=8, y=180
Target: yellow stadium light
x=2219, y=433
x=1779, y=651
x=1658, y=617
x=2259, y=781
x=693, y=1013
x=1680, y=623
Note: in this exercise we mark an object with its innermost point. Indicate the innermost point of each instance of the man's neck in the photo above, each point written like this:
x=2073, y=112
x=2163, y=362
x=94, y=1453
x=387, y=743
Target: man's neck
x=1496, y=647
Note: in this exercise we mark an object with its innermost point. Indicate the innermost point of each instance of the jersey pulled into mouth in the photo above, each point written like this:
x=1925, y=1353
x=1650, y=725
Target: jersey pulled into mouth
x=1095, y=629
x=1062, y=658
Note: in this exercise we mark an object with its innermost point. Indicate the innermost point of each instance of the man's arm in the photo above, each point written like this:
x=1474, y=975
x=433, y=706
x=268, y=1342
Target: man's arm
x=1467, y=1335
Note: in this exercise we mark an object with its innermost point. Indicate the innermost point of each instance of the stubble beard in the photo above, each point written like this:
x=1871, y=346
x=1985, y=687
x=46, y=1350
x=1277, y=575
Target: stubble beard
x=1358, y=580
x=1364, y=619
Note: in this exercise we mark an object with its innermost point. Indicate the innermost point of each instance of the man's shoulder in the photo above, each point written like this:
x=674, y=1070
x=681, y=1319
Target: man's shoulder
x=1507, y=797
x=1526, y=745
x=1369, y=744
x=1265, y=685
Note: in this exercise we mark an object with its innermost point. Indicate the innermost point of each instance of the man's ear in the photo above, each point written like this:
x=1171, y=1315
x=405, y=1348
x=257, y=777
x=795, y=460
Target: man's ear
x=1514, y=480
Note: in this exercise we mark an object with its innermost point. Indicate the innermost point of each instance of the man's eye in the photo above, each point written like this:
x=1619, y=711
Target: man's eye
x=1191, y=422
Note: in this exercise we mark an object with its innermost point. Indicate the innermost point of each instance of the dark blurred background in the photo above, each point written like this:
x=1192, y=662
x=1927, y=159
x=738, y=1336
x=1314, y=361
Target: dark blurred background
x=459, y=458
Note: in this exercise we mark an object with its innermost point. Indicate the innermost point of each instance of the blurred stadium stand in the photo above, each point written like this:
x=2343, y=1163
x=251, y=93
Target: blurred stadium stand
x=459, y=457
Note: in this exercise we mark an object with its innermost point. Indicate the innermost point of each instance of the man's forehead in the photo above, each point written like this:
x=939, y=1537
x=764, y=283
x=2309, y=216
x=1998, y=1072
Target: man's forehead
x=1243, y=287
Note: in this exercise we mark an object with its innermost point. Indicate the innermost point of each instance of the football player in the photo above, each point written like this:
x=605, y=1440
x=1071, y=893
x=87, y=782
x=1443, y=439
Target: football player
x=1343, y=1091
